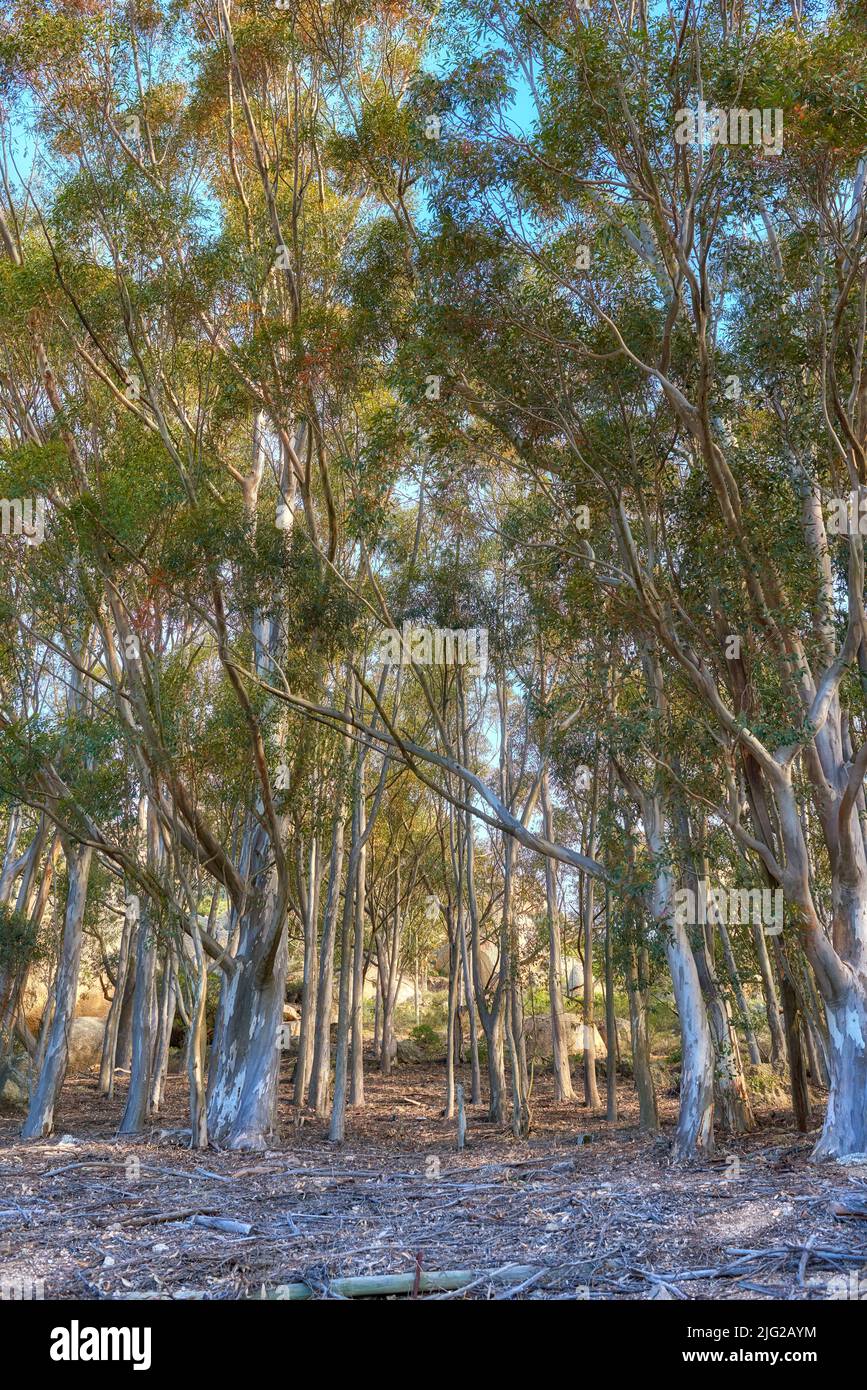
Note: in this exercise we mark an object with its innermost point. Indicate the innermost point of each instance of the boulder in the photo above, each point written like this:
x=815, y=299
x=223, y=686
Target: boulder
x=409, y=1051
x=13, y=1088
x=573, y=971
x=537, y=1032
x=405, y=990
x=85, y=1043
x=90, y=1002
x=489, y=959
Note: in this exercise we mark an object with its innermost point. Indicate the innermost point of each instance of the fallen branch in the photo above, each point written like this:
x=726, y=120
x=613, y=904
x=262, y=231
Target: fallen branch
x=223, y=1223
x=384, y=1285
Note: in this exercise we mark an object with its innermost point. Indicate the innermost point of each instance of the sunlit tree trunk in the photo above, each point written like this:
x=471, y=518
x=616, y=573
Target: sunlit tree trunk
x=40, y=1115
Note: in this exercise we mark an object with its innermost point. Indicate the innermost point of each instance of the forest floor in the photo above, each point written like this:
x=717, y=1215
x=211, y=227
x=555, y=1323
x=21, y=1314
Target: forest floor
x=597, y=1210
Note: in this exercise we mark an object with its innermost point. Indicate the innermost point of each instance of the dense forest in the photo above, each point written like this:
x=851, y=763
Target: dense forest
x=433, y=659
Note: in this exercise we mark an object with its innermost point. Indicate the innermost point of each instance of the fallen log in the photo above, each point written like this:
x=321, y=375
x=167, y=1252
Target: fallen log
x=384, y=1285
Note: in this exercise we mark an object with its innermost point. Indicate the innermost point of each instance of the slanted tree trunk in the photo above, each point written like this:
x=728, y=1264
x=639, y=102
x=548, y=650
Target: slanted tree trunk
x=40, y=1115
x=197, y=1045
x=472, y=1013
x=32, y=901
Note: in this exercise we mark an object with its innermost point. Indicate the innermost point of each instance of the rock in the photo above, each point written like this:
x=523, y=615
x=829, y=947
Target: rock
x=91, y=1002
x=405, y=990
x=85, y=1043
x=537, y=1032
x=489, y=959
x=13, y=1088
x=291, y=1014
x=409, y=1051
x=574, y=973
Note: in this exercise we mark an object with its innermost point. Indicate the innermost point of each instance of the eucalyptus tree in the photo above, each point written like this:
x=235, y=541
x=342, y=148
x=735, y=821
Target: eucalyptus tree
x=189, y=377
x=665, y=329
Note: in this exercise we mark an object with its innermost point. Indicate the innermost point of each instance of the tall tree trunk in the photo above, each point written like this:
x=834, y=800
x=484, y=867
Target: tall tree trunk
x=309, y=988
x=591, y=1089
x=517, y=1054
x=845, y=1128
x=610, y=1018
x=454, y=967
x=734, y=1109
x=40, y=1115
x=356, y=1089
x=138, y=1096
x=166, y=1018
x=197, y=1046
x=559, y=1032
x=791, y=1022
x=242, y=1099
x=694, y=1133
x=773, y=1009
x=321, y=1074
x=737, y=986
x=392, y=978
x=112, y=1023
x=337, y=1129
x=636, y=984
x=472, y=1014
